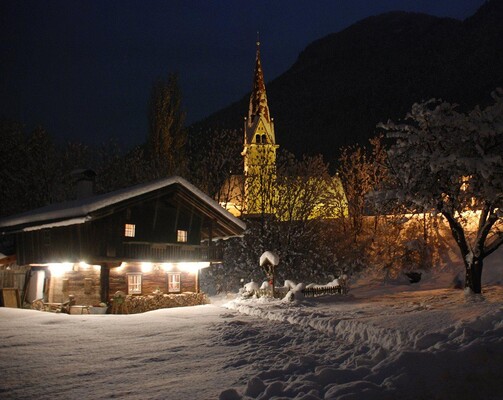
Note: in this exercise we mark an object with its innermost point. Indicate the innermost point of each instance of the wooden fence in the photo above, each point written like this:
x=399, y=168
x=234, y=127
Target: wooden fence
x=321, y=291
x=279, y=293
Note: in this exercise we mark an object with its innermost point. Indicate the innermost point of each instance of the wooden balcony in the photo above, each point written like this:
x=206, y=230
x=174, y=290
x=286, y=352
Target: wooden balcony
x=169, y=252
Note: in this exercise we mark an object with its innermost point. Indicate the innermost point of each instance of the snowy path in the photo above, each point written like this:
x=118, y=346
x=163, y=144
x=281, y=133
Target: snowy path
x=423, y=344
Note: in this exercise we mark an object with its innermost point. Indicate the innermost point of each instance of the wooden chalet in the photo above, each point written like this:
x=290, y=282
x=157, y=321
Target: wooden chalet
x=151, y=237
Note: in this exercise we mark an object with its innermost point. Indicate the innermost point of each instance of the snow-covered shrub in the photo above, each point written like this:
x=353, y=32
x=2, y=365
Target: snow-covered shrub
x=250, y=289
x=265, y=285
x=295, y=292
x=289, y=284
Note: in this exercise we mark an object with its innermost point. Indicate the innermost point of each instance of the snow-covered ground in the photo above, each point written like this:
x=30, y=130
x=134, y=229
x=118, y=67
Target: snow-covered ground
x=419, y=341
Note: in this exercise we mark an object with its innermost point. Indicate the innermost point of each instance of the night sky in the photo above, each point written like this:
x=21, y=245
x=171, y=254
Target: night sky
x=84, y=69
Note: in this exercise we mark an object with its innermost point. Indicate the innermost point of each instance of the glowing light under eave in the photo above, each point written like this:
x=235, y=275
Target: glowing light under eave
x=121, y=267
x=59, y=269
x=192, y=267
x=167, y=266
x=188, y=267
x=83, y=265
x=146, y=267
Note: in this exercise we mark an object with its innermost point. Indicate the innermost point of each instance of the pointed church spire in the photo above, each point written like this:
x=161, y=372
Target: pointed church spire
x=258, y=98
x=259, y=147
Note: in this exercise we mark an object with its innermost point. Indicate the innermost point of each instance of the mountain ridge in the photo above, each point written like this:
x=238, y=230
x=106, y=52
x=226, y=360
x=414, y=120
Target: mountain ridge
x=345, y=83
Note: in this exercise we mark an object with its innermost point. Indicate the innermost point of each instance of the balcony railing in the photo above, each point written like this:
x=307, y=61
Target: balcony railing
x=168, y=252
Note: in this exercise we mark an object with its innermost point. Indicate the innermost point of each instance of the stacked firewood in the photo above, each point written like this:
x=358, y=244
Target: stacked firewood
x=139, y=304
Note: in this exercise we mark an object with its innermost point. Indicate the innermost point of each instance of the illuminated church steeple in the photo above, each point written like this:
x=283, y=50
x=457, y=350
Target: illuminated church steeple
x=259, y=126
x=260, y=146
x=255, y=194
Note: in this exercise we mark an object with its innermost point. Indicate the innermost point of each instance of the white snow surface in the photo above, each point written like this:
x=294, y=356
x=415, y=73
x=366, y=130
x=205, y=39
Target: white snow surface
x=419, y=341
x=251, y=286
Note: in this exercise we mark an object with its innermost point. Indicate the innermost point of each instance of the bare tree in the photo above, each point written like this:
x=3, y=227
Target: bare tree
x=261, y=183
x=362, y=171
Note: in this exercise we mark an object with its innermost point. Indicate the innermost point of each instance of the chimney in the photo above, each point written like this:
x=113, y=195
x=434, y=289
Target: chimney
x=84, y=182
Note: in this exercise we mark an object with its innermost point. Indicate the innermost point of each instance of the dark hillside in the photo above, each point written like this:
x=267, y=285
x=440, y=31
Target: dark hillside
x=342, y=85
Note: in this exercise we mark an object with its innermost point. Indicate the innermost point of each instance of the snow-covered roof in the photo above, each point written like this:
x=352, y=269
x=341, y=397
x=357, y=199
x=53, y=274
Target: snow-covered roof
x=270, y=257
x=77, y=211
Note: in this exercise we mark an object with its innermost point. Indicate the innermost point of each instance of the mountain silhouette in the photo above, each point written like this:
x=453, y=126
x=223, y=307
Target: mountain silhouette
x=342, y=85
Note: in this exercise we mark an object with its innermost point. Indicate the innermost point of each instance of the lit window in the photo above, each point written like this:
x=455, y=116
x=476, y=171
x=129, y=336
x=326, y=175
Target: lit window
x=129, y=230
x=181, y=236
x=134, y=283
x=173, y=282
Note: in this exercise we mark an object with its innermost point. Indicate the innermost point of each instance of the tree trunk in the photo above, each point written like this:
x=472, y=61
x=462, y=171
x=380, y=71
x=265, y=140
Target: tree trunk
x=473, y=278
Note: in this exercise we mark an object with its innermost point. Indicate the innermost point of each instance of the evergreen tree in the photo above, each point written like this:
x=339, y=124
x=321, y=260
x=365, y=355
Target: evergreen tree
x=167, y=135
x=117, y=170
x=215, y=155
x=43, y=166
x=13, y=175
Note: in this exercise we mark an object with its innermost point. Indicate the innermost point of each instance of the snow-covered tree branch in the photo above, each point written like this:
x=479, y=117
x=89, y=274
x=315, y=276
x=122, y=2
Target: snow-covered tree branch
x=450, y=162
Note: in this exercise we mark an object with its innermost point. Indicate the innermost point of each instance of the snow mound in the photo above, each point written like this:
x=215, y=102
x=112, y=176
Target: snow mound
x=265, y=285
x=295, y=293
x=251, y=287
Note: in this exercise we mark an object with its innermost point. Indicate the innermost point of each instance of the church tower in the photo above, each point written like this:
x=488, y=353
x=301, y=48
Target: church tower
x=259, y=151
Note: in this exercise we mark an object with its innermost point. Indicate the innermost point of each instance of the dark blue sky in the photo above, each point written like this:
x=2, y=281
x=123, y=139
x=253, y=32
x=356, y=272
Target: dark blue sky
x=84, y=69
